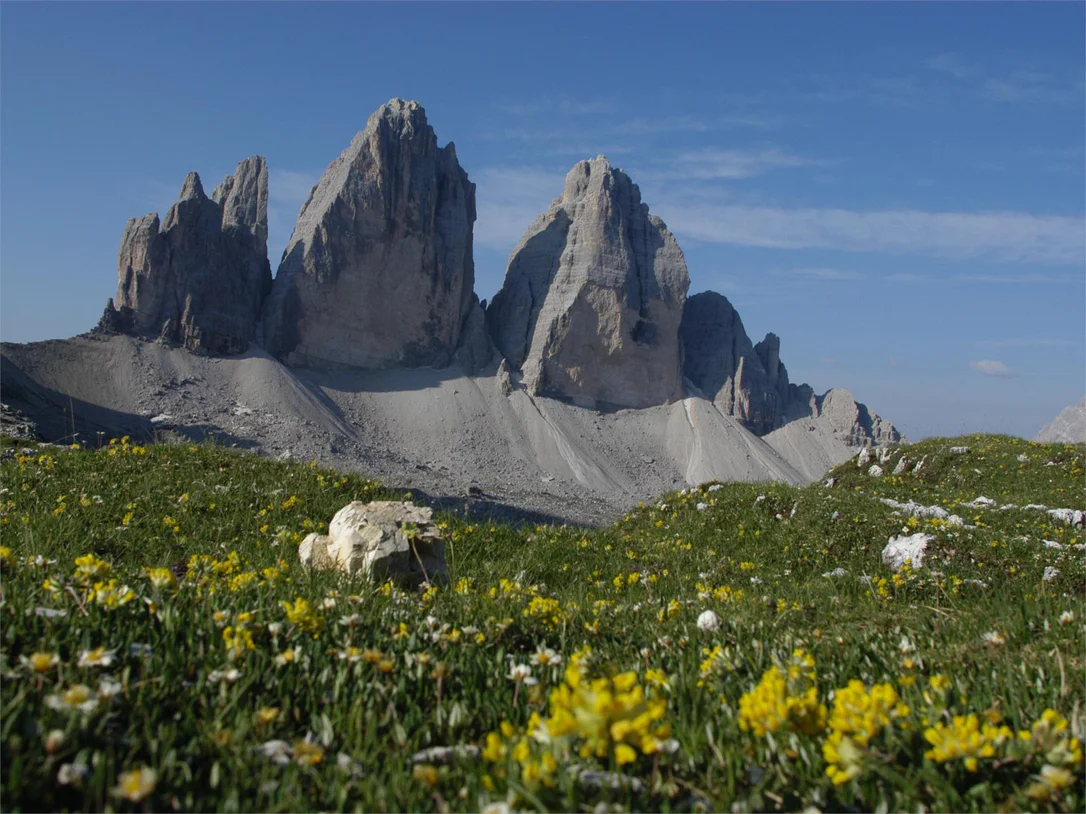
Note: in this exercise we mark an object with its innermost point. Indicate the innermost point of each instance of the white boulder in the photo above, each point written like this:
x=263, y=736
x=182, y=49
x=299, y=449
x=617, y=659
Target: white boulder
x=900, y=550
x=381, y=540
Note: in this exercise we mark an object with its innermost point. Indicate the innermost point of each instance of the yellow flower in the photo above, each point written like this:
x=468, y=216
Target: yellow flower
x=307, y=753
x=89, y=568
x=774, y=705
x=111, y=595
x=303, y=616
x=136, y=785
x=40, y=662
x=966, y=739
x=162, y=579
x=265, y=715
x=426, y=774
x=939, y=683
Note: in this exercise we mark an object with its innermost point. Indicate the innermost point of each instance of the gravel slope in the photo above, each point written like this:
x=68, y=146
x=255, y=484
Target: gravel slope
x=438, y=431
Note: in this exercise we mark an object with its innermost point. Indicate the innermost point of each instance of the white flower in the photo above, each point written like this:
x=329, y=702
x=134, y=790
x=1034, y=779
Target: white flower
x=54, y=740
x=49, y=613
x=107, y=688
x=1052, y=544
x=230, y=676
x=756, y=581
x=328, y=603
x=522, y=674
x=906, y=647
x=275, y=628
x=708, y=621
x=77, y=697
x=545, y=657
x=136, y=784
x=1067, y=617
x=836, y=572
x=1050, y=574
x=348, y=765
x=72, y=774
x=99, y=657
x=276, y=751
x=994, y=638
x=288, y=656
x=702, y=507
x=354, y=620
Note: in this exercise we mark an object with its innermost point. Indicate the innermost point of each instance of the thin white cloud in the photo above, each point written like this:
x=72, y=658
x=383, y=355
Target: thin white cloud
x=821, y=274
x=952, y=63
x=715, y=164
x=291, y=186
x=1003, y=236
x=508, y=199
x=992, y=367
x=1027, y=342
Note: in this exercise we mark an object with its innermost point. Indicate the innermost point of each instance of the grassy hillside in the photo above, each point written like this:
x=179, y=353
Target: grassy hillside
x=163, y=650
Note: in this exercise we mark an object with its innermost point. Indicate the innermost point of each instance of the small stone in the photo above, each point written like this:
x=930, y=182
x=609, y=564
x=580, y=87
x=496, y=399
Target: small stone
x=900, y=550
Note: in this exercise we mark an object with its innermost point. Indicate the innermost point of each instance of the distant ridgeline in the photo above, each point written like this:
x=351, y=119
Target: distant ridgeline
x=379, y=273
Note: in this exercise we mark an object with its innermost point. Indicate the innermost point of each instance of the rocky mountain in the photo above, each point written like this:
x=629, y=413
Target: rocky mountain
x=593, y=296
x=1069, y=427
x=199, y=277
x=379, y=270
x=750, y=383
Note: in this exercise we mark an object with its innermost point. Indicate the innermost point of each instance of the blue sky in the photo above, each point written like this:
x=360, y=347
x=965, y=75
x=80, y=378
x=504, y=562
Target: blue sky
x=896, y=190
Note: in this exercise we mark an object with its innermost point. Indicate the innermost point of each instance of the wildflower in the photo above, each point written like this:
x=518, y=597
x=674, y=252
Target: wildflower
x=89, y=568
x=351, y=654
x=40, y=662
x=545, y=657
x=265, y=716
x=608, y=716
x=73, y=774
x=77, y=697
x=276, y=751
x=965, y=738
x=99, y=657
x=994, y=638
x=54, y=741
x=107, y=689
x=352, y=621
x=780, y=702
x=238, y=639
x=939, y=683
x=49, y=613
x=348, y=765
x=522, y=674
x=708, y=621
x=858, y=716
x=1050, y=574
x=302, y=615
x=7, y=556
x=288, y=656
x=110, y=594
x=275, y=628
x=229, y=676
x=426, y=774
x=1067, y=617
x=307, y=753
x=161, y=579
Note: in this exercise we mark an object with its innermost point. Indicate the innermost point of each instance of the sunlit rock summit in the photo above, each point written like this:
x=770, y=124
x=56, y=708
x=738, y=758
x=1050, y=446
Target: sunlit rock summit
x=593, y=297
x=379, y=270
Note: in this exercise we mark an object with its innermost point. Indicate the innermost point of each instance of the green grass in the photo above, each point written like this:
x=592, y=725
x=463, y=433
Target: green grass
x=754, y=554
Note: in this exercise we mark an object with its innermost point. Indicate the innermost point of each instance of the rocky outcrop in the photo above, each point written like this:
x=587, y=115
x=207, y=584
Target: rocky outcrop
x=851, y=421
x=380, y=541
x=199, y=277
x=1069, y=427
x=593, y=296
x=379, y=270
x=744, y=380
x=750, y=383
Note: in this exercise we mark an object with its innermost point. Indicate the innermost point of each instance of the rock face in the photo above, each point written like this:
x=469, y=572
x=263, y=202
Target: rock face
x=380, y=540
x=198, y=278
x=1069, y=427
x=744, y=380
x=379, y=270
x=593, y=297
x=751, y=383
